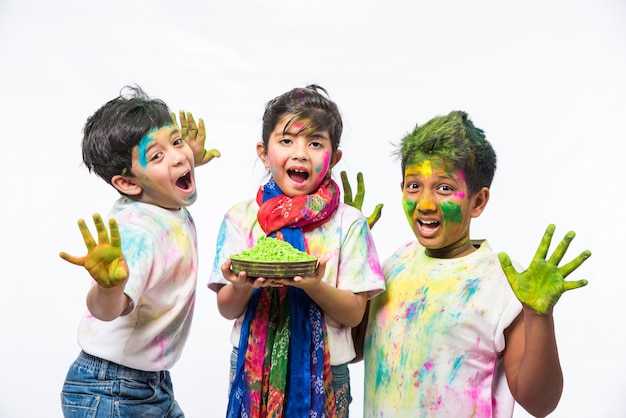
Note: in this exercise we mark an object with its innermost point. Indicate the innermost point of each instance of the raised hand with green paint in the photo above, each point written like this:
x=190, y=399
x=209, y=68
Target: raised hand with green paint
x=542, y=284
x=357, y=202
x=195, y=136
x=104, y=261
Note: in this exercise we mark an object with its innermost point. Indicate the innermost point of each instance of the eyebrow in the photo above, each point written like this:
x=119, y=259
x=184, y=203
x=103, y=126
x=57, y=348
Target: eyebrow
x=316, y=133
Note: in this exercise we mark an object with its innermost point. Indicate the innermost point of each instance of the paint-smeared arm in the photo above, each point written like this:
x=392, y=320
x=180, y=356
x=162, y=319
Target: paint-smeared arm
x=106, y=265
x=531, y=359
x=195, y=136
x=357, y=202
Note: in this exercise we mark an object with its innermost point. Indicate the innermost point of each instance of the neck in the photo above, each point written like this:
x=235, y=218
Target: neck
x=459, y=249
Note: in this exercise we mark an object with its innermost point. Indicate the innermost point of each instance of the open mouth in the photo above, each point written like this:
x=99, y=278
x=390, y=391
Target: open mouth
x=298, y=176
x=428, y=225
x=184, y=182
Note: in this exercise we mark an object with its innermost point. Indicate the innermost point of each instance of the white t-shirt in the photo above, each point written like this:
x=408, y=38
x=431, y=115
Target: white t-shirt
x=353, y=261
x=434, y=338
x=160, y=248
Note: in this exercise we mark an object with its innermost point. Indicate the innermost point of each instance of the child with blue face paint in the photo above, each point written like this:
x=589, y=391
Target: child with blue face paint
x=458, y=331
x=144, y=273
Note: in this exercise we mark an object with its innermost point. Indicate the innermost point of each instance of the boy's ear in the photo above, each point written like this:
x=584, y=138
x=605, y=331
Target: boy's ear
x=126, y=185
x=480, y=201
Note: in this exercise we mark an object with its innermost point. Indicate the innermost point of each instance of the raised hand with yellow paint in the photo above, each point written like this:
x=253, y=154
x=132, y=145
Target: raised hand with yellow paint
x=357, y=202
x=195, y=136
x=542, y=284
x=104, y=261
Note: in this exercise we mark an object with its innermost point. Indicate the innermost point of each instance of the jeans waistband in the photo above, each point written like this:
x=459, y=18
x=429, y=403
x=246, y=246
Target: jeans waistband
x=109, y=370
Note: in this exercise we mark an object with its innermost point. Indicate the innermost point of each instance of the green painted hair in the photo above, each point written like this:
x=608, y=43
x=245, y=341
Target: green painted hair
x=456, y=140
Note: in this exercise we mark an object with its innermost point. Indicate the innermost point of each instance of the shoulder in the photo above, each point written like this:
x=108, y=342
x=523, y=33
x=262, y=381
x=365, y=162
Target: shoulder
x=347, y=214
x=245, y=207
x=410, y=248
x=132, y=216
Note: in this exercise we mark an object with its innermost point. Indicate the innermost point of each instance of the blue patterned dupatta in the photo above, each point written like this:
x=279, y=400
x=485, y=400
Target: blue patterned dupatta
x=283, y=363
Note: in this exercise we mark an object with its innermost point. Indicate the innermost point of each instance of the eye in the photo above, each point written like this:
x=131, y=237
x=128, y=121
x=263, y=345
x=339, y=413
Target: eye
x=178, y=141
x=412, y=186
x=285, y=141
x=315, y=144
x=445, y=189
x=156, y=156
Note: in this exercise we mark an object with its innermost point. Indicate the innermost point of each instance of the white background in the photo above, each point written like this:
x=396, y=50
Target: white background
x=545, y=79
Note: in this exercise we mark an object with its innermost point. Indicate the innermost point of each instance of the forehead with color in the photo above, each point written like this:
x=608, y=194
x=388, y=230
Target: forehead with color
x=164, y=132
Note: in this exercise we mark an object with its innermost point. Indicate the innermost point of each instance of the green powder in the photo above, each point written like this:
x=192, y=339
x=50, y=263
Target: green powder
x=270, y=249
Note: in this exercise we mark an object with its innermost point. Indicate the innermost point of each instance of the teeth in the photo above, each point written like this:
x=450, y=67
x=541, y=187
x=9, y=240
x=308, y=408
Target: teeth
x=429, y=222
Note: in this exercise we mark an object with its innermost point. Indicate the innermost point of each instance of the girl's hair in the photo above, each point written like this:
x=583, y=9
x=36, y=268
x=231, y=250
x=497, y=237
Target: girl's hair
x=112, y=132
x=455, y=139
x=311, y=103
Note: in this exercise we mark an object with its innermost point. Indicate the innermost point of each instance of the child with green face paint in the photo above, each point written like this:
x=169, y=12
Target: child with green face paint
x=144, y=273
x=449, y=336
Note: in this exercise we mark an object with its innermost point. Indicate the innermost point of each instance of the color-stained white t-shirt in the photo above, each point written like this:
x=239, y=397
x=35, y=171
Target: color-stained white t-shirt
x=434, y=338
x=353, y=261
x=160, y=248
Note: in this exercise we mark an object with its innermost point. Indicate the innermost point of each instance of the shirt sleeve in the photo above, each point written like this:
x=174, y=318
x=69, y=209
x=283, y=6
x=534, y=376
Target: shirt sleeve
x=230, y=240
x=138, y=248
x=359, y=266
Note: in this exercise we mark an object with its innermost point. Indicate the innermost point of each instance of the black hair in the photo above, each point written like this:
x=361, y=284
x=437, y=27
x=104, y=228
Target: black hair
x=311, y=103
x=111, y=133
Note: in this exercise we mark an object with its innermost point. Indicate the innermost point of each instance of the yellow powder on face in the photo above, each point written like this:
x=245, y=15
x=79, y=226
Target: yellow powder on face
x=270, y=249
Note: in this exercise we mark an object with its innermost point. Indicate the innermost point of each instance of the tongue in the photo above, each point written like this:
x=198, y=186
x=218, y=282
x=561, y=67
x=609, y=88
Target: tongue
x=298, y=177
x=182, y=182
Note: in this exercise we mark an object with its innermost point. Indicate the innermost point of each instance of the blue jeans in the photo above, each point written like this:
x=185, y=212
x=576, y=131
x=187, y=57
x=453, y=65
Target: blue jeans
x=97, y=388
x=341, y=384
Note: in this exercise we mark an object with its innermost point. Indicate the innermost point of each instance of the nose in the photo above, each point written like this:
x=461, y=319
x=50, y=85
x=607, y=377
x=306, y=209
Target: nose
x=178, y=157
x=426, y=203
x=299, y=153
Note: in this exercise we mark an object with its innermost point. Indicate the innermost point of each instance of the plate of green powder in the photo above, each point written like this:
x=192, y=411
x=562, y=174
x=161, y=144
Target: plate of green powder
x=271, y=257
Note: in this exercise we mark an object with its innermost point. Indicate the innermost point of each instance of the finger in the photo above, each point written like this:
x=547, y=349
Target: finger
x=375, y=216
x=545, y=242
x=347, y=190
x=116, y=239
x=184, y=130
x=574, y=284
x=321, y=267
x=210, y=154
x=201, y=132
x=174, y=121
x=79, y=261
x=360, y=191
x=103, y=234
x=192, y=127
x=87, y=237
x=507, y=266
x=575, y=263
x=561, y=249
x=258, y=282
x=226, y=270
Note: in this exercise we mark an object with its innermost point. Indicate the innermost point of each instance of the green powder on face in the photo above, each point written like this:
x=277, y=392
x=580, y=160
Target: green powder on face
x=273, y=250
